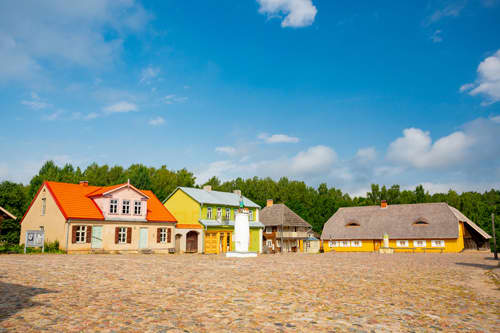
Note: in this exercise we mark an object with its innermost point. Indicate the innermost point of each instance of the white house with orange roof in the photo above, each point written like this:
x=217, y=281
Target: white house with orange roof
x=84, y=218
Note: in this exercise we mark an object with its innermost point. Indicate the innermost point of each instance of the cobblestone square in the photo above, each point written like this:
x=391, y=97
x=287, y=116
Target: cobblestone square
x=355, y=292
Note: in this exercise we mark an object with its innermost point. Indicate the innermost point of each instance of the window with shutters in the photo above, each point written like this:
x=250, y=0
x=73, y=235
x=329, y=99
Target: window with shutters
x=126, y=207
x=163, y=235
x=81, y=234
x=122, y=235
x=137, y=207
x=113, y=206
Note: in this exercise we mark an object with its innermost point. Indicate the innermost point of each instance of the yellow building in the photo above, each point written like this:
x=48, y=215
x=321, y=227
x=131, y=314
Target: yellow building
x=206, y=220
x=426, y=227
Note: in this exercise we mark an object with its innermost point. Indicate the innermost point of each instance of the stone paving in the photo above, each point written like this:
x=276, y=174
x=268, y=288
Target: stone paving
x=351, y=292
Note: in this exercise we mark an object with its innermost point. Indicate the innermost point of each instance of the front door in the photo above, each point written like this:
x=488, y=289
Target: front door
x=192, y=242
x=97, y=237
x=376, y=244
x=211, y=242
x=143, y=238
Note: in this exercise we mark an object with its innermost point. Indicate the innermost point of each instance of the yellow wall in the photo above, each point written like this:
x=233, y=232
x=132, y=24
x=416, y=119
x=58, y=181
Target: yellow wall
x=184, y=208
x=204, y=210
x=451, y=245
x=53, y=221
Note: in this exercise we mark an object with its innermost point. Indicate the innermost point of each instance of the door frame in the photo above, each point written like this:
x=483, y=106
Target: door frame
x=140, y=238
x=93, y=236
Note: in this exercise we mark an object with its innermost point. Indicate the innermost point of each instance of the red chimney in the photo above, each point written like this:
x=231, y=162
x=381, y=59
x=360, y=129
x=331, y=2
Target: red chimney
x=383, y=204
x=84, y=182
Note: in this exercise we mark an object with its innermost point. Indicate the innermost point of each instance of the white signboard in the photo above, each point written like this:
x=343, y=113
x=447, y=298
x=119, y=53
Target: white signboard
x=34, y=238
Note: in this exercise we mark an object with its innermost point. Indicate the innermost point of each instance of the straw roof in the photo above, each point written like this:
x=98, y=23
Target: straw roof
x=279, y=214
x=437, y=220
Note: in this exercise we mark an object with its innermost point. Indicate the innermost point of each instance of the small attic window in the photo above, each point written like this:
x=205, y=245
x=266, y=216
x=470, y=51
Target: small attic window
x=420, y=222
x=352, y=224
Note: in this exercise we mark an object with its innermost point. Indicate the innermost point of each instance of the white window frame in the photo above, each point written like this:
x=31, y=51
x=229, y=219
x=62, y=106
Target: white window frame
x=250, y=215
x=126, y=204
x=163, y=235
x=402, y=243
x=269, y=243
x=81, y=234
x=415, y=243
x=269, y=230
x=437, y=243
x=356, y=243
x=137, y=207
x=209, y=213
x=228, y=213
x=44, y=206
x=122, y=235
x=219, y=213
x=334, y=243
x=113, y=206
x=345, y=244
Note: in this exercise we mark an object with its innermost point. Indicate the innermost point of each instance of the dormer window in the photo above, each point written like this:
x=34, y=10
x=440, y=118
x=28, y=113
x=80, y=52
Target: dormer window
x=126, y=207
x=352, y=224
x=113, y=206
x=137, y=207
x=419, y=222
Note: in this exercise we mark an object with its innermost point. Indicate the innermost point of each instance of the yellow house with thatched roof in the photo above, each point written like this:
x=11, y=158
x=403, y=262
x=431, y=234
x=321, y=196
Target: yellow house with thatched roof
x=426, y=227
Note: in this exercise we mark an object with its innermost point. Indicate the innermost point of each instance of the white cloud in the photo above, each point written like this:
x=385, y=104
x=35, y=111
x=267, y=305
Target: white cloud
x=35, y=103
x=148, y=74
x=91, y=115
x=75, y=34
x=120, y=107
x=415, y=148
x=366, y=155
x=54, y=115
x=488, y=81
x=437, y=37
x=450, y=10
x=171, y=99
x=278, y=138
x=298, y=13
x=157, y=121
x=317, y=159
x=226, y=150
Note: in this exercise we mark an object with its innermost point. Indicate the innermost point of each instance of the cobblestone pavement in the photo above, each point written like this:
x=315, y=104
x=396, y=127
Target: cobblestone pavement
x=352, y=292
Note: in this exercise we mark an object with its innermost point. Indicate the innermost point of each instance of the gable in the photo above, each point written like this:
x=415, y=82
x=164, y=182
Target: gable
x=52, y=206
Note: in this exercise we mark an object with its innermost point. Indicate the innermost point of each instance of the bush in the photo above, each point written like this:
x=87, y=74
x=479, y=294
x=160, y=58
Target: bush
x=52, y=247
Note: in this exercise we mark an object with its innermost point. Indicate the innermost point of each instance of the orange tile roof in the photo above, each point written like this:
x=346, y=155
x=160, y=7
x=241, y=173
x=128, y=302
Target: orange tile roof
x=74, y=202
x=188, y=226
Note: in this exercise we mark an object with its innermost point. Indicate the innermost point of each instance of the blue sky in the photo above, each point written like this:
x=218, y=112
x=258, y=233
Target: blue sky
x=322, y=91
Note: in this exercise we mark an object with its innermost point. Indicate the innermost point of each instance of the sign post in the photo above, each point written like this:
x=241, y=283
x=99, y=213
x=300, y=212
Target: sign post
x=494, y=236
x=35, y=238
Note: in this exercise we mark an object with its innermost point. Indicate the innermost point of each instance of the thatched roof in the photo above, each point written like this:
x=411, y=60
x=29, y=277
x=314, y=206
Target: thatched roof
x=279, y=214
x=398, y=221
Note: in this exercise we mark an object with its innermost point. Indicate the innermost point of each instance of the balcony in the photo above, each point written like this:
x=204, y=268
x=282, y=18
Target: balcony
x=292, y=234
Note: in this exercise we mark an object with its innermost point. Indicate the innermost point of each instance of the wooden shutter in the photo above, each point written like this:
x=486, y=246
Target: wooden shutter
x=117, y=230
x=73, y=234
x=158, y=235
x=89, y=234
x=129, y=235
x=169, y=235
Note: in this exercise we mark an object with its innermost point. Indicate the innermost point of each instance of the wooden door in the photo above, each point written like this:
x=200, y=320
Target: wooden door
x=97, y=237
x=192, y=242
x=143, y=238
x=178, y=243
x=211, y=242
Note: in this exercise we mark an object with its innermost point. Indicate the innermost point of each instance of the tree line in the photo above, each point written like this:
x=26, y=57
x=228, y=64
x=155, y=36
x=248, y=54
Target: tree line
x=314, y=204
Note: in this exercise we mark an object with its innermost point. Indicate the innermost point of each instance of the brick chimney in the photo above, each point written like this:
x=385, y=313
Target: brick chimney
x=84, y=182
x=207, y=188
x=383, y=204
x=237, y=192
x=269, y=202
